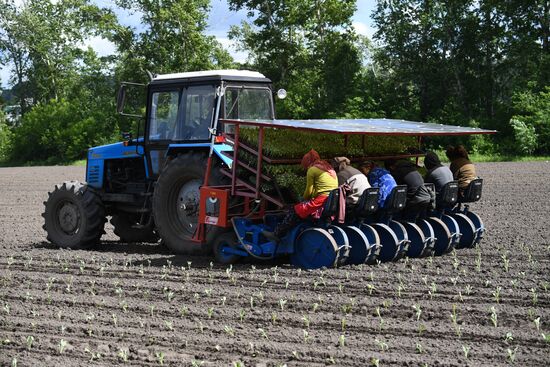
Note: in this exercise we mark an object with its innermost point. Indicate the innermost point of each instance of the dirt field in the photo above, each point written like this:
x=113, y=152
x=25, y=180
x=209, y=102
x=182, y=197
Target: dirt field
x=139, y=305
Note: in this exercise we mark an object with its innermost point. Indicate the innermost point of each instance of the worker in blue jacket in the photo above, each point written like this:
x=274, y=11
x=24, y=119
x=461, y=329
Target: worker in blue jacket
x=378, y=177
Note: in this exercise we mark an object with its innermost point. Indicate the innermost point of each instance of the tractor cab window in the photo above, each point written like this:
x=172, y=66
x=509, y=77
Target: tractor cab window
x=164, y=113
x=248, y=103
x=198, y=111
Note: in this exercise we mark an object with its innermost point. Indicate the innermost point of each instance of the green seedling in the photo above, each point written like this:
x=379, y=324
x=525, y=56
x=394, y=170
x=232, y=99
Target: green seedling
x=494, y=316
x=511, y=354
x=418, y=311
x=123, y=354
x=342, y=340
x=229, y=330
x=537, y=323
x=466, y=350
x=62, y=345
x=160, y=357
x=306, y=321
x=29, y=340
x=496, y=294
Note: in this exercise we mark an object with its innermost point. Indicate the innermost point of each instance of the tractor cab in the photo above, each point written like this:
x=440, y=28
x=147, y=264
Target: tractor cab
x=183, y=110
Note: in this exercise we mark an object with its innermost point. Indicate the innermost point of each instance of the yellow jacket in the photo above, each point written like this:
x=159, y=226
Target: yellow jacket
x=319, y=182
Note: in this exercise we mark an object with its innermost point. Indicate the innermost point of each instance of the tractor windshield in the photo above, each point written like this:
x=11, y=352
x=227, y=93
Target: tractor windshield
x=248, y=103
x=182, y=114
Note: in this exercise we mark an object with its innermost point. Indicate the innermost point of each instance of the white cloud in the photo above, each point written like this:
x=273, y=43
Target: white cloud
x=102, y=46
x=5, y=73
x=363, y=29
x=231, y=47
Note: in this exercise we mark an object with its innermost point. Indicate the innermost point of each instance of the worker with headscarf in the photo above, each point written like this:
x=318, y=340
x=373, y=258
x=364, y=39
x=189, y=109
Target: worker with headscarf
x=351, y=176
x=320, y=181
x=437, y=173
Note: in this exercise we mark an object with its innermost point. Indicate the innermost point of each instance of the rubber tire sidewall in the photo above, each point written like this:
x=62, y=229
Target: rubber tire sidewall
x=183, y=168
x=92, y=216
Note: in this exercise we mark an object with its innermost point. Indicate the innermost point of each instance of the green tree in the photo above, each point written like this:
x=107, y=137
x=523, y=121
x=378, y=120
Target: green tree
x=533, y=111
x=454, y=62
x=42, y=41
x=172, y=39
x=306, y=46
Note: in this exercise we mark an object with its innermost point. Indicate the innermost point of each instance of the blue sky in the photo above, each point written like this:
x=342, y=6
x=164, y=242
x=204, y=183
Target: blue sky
x=220, y=20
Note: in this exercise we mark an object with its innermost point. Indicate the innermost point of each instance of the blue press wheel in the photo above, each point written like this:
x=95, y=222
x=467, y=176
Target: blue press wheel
x=442, y=235
x=417, y=238
x=451, y=223
x=359, y=245
x=223, y=241
x=403, y=238
x=467, y=229
x=374, y=243
x=478, y=224
x=428, y=230
x=314, y=248
x=342, y=242
x=388, y=240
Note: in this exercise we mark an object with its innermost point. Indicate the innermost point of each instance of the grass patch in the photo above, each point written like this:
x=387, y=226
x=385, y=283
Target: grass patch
x=479, y=158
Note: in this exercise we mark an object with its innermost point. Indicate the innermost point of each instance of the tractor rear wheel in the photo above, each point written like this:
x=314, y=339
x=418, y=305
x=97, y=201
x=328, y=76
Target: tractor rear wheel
x=74, y=216
x=176, y=203
x=123, y=227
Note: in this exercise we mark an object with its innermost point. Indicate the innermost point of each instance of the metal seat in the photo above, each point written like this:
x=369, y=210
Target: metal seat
x=368, y=202
x=447, y=197
x=396, y=200
x=472, y=193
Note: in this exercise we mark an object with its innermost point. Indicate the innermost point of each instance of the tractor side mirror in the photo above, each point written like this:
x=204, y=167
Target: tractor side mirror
x=121, y=99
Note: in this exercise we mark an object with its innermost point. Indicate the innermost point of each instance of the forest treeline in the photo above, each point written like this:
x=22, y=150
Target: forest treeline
x=482, y=63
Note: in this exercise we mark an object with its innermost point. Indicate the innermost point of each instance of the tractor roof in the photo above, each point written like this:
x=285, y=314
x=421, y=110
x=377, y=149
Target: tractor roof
x=208, y=75
x=367, y=127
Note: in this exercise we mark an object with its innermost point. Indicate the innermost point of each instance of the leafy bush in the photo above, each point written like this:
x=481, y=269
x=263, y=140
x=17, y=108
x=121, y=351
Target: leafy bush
x=533, y=109
x=5, y=139
x=525, y=138
x=60, y=131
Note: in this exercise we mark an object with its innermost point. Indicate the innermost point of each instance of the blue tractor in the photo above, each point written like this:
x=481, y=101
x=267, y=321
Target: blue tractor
x=149, y=186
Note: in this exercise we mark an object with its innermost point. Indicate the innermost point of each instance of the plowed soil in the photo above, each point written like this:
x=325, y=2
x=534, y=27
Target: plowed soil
x=137, y=304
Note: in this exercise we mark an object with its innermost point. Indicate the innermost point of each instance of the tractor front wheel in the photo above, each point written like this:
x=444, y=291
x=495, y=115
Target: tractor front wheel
x=74, y=216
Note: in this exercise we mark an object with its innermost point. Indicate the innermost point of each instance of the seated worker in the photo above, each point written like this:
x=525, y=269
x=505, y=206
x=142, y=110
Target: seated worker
x=348, y=174
x=463, y=170
x=418, y=197
x=321, y=180
x=378, y=177
x=437, y=173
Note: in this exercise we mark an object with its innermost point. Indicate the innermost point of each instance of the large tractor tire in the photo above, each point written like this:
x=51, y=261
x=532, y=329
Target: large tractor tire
x=176, y=203
x=124, y=223
x=74, y=216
